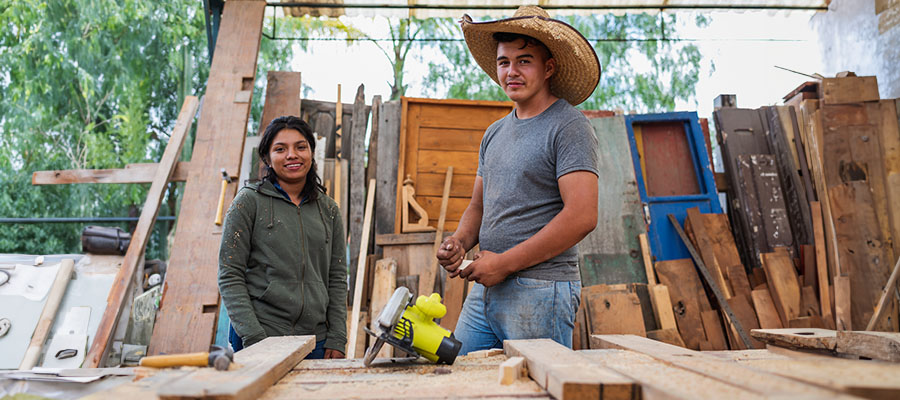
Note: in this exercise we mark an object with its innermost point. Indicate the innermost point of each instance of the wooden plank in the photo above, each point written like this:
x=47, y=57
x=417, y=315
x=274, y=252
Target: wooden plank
x=48, y=314
x=662, y=380
x=712, y=367
x=712, y=325
x=760, y=183
x=890, y=147
x=687, y=297
x=568, y=375
x=450, y=139
x=821, y=262
x=842, y=308
x=427, y=278
x=740, y=285
x=132, y=173
x=744, y=312
x=432, y=185
x=122, y=284
x=282, y=97
x=360, y=273
x=795, y=199
x=613, y=312
x=808, y=266
x=783, y=284
x=875, y=345
x=852, y=377
x=670, y=336
x=861, y=249
x=851, y=89
x=386, y=175
x=383, y=284
x=765, y=309
x=357, y=179
x=662, y=307
x=798, y=338
x=260, y=366
x=186, y=321
x=704, y=245
x=814, y=132
x=645, y=256
x=579, y=330
x=809, y=305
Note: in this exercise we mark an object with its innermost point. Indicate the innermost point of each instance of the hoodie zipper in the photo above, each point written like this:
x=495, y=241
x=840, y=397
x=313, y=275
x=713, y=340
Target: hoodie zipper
x=303, y=266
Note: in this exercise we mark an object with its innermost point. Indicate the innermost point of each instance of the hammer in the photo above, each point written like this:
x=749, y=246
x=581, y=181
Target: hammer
x=226, y=179
x=217, y=356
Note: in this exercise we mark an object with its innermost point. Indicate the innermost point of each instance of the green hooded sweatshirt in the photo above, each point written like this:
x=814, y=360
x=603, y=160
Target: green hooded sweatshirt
x=282, y=267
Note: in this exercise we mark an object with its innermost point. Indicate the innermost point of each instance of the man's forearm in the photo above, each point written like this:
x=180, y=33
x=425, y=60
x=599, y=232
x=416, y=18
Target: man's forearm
x=469, y=226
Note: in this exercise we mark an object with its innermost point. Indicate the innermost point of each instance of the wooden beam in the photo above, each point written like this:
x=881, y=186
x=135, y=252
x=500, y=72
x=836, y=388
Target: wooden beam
x=764, y=384
x=189, y=308
x=821, y=261
x=361, y=272
x=568, y=375
x=134, y=255
x=258, y=368
x=132, y=173
x=357, y=175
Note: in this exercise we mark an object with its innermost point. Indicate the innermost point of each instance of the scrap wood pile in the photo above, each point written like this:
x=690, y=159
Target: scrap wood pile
x=813, y=195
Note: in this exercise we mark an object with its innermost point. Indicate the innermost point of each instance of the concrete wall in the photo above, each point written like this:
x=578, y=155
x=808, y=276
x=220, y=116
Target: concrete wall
x=862, y=36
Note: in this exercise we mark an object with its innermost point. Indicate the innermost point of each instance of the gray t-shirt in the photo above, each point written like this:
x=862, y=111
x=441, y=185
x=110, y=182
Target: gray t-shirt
x=520, y=162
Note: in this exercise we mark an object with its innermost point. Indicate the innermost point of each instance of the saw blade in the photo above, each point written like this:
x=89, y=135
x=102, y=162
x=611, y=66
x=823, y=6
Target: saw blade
x=371, y=352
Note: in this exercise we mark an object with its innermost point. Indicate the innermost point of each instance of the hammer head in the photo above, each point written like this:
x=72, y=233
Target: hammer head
x=220, y=357
x=225, y=176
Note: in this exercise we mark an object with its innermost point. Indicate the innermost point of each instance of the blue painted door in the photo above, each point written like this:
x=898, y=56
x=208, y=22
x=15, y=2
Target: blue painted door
x=673, y=173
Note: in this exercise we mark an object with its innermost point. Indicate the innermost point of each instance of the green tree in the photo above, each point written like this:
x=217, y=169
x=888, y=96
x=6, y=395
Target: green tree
x=641, y=70
x=98, y=84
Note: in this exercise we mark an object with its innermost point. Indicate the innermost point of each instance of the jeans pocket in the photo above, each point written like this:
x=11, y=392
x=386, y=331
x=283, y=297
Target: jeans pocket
x=533, y=283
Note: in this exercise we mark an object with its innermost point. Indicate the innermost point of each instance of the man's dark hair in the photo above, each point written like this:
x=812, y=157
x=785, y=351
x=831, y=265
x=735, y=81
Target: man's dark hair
x=509, y=37
x=313, y=181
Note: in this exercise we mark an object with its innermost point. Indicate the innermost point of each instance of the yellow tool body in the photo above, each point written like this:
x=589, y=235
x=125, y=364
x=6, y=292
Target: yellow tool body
x=428, y=335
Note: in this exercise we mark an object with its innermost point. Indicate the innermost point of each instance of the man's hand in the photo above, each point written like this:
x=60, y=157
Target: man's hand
x=488, y=269
x=451, y=254
x=332, y=353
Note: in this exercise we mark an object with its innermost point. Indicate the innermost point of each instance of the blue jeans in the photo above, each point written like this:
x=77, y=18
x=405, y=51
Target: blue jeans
x=237, y=344
x=518, y=308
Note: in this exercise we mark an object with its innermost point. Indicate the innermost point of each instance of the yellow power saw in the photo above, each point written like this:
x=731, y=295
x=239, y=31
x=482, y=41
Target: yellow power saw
x=410, y=327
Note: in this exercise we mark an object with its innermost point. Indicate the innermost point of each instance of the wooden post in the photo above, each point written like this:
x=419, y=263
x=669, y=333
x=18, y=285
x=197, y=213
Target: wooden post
x=63, y=275
x=360, y=272
x=337, y=148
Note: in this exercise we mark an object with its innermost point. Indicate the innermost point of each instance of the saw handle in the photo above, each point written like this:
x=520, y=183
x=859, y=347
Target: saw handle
x=177, y=360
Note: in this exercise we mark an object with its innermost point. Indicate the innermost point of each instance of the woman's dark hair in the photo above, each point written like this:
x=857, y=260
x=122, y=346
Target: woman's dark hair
x=313, y=181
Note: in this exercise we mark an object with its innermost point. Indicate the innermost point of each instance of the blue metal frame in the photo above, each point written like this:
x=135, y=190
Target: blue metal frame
x=664, y=242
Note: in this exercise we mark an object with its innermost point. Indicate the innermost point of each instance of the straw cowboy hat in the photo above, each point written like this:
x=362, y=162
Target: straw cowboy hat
x=577, y=66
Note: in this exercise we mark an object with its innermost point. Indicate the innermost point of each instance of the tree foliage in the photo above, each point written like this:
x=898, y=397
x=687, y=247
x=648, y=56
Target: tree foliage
x=641, y=69
x=97, y=84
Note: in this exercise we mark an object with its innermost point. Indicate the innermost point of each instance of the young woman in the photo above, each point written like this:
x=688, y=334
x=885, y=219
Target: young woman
x=282, y=266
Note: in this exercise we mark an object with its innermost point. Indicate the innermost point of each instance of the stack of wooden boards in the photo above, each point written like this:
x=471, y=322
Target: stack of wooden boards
x=816, y=184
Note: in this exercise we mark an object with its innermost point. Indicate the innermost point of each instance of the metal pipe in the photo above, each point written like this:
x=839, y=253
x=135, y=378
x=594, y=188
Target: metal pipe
x=551, y=7
x=64, y=220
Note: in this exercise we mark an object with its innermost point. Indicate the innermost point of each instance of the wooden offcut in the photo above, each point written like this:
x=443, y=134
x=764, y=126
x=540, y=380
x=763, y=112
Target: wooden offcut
x=511, y=370
x=765, y=309
x=783, y=284
x=802, y=338
x=662, y=307
x=122, y=284
x=875, y=345
x=384, y=281
x=186, y=321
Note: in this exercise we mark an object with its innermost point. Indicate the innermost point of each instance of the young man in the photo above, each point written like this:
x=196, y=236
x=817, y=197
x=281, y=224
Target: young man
x=535, y=195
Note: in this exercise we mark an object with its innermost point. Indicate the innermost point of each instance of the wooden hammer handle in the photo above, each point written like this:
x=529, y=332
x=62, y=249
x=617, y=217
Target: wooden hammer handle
x=177, y=360
x=221, y=208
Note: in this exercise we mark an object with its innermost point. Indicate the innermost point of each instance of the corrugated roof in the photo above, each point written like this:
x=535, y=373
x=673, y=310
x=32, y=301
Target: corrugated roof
x=501, y=8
